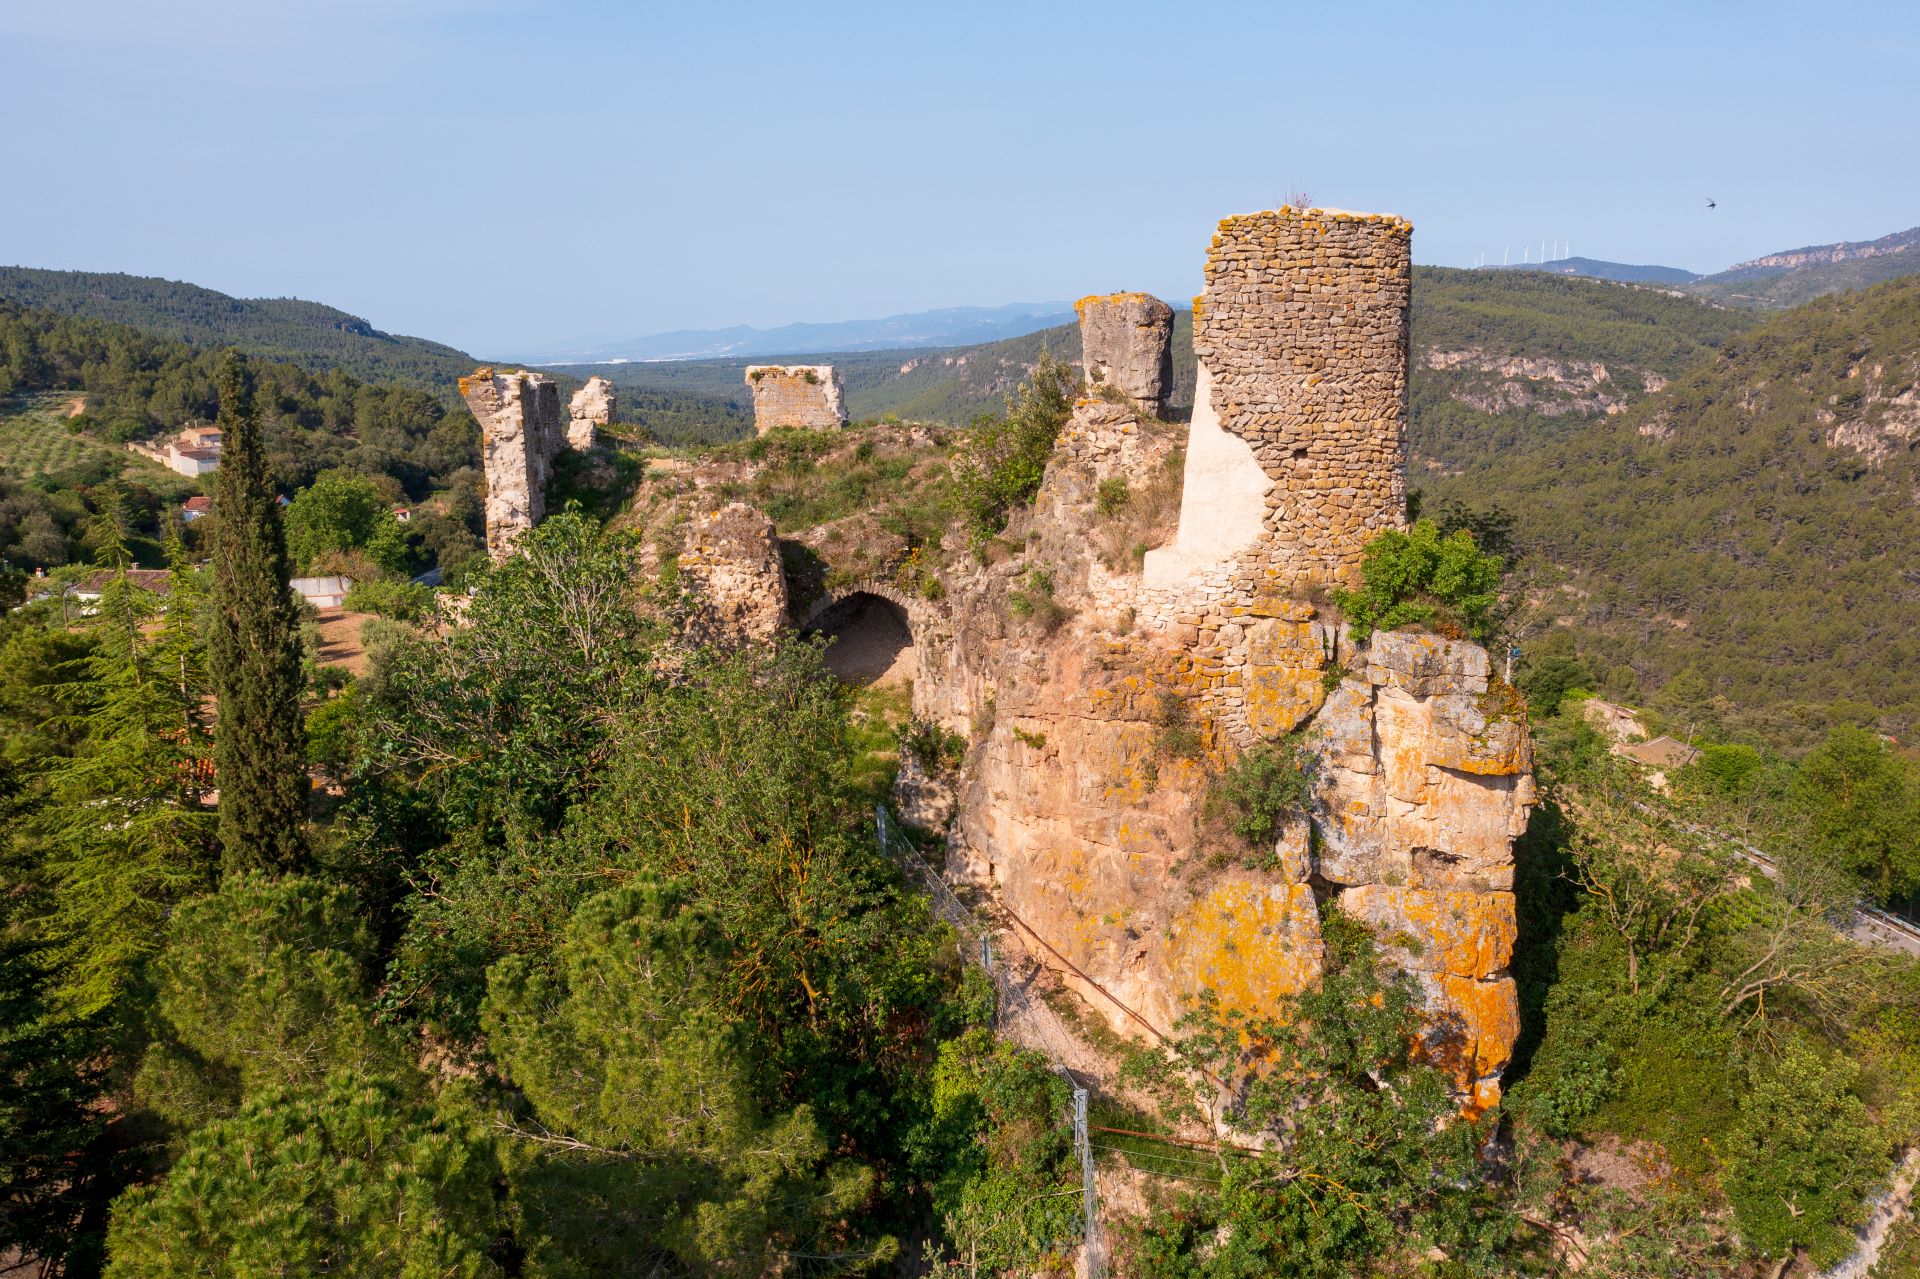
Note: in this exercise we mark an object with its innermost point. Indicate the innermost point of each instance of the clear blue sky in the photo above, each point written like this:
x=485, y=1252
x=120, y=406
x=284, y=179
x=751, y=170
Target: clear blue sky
x=511, y=176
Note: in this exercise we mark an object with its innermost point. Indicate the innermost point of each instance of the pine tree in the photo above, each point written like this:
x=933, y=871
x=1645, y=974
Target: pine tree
x=259, y=746
x=124, y=836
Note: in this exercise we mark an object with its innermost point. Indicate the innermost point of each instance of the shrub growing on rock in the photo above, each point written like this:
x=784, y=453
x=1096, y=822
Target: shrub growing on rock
x=1418, y=577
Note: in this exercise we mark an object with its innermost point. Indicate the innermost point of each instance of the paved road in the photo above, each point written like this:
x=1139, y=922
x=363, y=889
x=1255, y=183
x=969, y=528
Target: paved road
x=1870, y=925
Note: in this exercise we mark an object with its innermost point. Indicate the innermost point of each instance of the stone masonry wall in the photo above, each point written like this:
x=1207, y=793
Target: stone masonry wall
x=1303, y=327
x=807, y=395
x=1126, y=342
x=520, y=431
x=591, y=408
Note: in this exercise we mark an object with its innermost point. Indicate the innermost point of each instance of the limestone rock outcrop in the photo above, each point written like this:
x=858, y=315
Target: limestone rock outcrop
x=730, y=561
x=1126, y=342
x=1098, y=731
x=591, y=408
x=519, y=416
x=804, y=395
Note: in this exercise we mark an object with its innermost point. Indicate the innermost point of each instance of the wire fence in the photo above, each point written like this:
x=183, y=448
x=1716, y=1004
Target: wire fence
x=1018, y=1012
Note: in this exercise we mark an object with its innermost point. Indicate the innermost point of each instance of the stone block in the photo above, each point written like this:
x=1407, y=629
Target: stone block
x=1126, y=342
x=803, y=395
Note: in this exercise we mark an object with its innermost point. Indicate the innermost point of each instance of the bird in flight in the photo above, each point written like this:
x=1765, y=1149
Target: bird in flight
x=1711, y=204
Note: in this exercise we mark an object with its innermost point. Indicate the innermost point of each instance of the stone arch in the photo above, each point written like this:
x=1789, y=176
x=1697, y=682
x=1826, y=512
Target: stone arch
x=874, y=626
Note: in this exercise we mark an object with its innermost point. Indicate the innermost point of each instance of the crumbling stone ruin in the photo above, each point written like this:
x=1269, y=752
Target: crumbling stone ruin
x=1297, y=454
x=1126, y=343
x=730, y=560
x=591, y=408
x=806, y=395
x=1083, y=805
x=519, y=416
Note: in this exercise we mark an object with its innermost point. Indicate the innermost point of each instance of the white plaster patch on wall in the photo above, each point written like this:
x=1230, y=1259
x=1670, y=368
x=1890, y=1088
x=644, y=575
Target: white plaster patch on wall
x=1223, y=498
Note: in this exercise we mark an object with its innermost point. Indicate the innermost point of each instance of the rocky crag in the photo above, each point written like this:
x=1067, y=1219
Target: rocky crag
x=1100, y=715
x=1126, y=346
x=590, y=409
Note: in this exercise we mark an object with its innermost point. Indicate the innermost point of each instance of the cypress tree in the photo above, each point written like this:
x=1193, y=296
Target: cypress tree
x=259, y=750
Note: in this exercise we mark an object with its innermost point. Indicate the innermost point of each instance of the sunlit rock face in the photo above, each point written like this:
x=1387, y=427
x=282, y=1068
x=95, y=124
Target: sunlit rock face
x=1101, y=725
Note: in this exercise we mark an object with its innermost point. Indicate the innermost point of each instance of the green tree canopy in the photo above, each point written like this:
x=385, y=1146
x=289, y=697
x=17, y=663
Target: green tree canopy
x=255, y=655
x=1421, y=578
x=1864, y=803
x=645, y=1138
x=353, y=1176
x=338, y=512
x=261, y=984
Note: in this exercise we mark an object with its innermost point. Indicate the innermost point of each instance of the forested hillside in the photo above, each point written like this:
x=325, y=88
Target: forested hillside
x=1742, y=544
x=114, y=384
x=316, y=337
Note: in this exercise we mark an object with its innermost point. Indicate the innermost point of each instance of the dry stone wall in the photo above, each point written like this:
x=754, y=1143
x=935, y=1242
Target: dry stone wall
x=520, y=431
x=1126, y=342
x=804, y=395
x=591, y=408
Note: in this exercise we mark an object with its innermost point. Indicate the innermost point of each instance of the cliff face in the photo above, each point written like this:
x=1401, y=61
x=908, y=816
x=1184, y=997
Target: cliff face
x=1093, y=833
x=1107, y=692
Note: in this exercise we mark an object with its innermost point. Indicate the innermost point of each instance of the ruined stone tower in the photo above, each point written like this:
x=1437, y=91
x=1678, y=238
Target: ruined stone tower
x=591, y=408
x=807, y=395
x=1297, y=453
x=1126, y=342
x=519, y=416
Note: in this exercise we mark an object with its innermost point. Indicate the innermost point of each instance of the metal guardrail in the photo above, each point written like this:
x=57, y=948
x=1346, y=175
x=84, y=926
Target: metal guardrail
x=1048, y=1029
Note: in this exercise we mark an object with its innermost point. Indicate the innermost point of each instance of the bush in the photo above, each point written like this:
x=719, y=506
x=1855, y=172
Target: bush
x=1263, y=788
x=1111, y=497
x=1035, y=602
x=937, y=749
x=1006, y=458
x=1174, y=733
x=1420, y=578
x=402, y=601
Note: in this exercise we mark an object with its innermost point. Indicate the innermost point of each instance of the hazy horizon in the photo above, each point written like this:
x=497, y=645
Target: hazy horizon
x=506, y=177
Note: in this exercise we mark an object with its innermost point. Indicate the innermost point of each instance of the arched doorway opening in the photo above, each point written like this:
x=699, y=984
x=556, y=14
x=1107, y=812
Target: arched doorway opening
x=872, y=643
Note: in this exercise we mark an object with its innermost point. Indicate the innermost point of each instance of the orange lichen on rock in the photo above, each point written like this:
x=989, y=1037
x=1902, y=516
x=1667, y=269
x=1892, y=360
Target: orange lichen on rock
x=1251, y=941
x=1461, y=934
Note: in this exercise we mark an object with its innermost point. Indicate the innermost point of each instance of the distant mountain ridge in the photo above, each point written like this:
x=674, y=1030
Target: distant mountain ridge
x=1596, y=269
x=1826, y=254
x=1774, y=281
x=310, y=334
x=949, y=326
